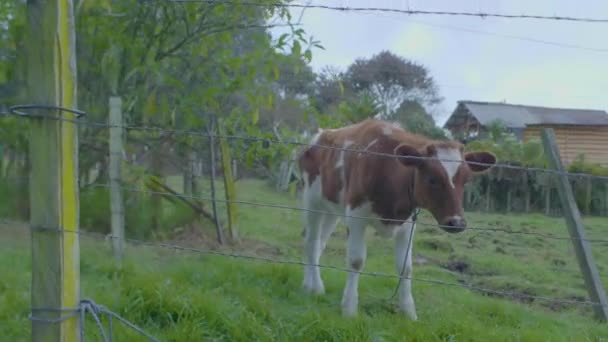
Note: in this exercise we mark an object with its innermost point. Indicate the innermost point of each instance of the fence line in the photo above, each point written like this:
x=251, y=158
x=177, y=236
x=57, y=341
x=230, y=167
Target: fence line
x=496, y=34
x=268, y=141
x=480, y=14
x=265, y=259
x=287, y=207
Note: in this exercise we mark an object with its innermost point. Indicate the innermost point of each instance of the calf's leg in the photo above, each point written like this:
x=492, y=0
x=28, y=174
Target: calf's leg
x=404, y=243
x=328, y=226
x=312, y=251
x=356, y=254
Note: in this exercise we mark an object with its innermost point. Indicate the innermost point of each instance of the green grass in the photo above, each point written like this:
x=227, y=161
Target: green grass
x=185, y=296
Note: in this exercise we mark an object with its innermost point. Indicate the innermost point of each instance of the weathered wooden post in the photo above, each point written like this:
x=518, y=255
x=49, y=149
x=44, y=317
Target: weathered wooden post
x=229, y=184
x=50, y=57
x=572, y=215
x=218, y=227
x=588, y=193
x=116, y=156
x=548, y=199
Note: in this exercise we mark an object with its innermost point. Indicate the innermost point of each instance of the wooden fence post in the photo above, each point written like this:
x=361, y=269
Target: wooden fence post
x=50, y=55
x=116, y=156
x=572, y=215
x=229, y=184
x=218, y=227
x=548, y=200
x=588, y=193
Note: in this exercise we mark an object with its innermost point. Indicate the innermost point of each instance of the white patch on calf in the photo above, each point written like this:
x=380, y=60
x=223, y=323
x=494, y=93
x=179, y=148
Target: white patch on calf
x=396, y=125
x=340, y=161
x=372, y=143
x=341, y=166
x=387, y=130
x=450, y=159
x=316, y=137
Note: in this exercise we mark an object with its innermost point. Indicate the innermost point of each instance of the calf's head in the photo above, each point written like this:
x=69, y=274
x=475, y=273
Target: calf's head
x=442, y=170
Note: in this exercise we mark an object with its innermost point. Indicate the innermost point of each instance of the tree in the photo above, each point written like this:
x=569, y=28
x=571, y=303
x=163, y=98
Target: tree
x=387, y=85
x=414, y=117
x=392, y=79
x=176, y=65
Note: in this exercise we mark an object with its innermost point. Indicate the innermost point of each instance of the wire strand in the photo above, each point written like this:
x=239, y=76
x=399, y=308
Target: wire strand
x=324, y=266
x=479, y=14
x=287, y=207
x=303, y=144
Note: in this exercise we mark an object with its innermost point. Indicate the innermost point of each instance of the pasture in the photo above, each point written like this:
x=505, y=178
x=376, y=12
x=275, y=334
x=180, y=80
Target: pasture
x=181, y=295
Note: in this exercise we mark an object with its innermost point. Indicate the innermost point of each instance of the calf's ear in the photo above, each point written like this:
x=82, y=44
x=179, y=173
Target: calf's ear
x=404, y=151
x=480, y=161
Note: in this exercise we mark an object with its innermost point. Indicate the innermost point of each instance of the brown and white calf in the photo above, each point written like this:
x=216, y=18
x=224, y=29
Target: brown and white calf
x=357, y=185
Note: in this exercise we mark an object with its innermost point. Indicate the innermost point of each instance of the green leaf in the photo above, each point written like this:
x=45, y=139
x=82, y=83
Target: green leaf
x=150, y=105
x=282, y=39
x=255, y=116
x=308, y=55
x=296, y=49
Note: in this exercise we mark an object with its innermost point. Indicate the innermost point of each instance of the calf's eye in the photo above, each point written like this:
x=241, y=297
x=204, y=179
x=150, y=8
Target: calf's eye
x=432, y=181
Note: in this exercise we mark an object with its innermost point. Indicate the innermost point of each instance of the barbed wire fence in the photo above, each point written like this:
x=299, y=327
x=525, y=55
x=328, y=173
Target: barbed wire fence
x=19, y=110
x=96, y=311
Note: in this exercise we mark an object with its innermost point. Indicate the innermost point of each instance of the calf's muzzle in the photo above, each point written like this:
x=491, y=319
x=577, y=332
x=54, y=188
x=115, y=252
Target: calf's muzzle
x=454, y=224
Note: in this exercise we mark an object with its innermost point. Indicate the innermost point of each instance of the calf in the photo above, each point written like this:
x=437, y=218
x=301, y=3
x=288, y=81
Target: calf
x=356, y=185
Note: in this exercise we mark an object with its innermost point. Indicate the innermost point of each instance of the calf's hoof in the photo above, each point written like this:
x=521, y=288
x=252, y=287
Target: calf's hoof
x=315, y=289
x=349, y=308
x=408, y=312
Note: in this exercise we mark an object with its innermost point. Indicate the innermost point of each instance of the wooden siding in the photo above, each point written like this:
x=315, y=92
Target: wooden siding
x=592, y=141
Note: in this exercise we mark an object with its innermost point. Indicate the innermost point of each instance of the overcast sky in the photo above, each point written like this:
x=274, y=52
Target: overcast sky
x=472, y=65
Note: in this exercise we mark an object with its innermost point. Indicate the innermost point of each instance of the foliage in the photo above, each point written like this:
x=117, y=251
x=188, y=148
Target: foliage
x=579, y=165
x=392, y=80
x=416, y=119
x=385, y=85
x=530, y=185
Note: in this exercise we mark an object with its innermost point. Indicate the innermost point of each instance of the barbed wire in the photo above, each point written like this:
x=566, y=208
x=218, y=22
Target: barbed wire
x=304, y=144
x=475, y=225
x=480, y=14
x=325, y=212
x=511, y=294
x=497, y=34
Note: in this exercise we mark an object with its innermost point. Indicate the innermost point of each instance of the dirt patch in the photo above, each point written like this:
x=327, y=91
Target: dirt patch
x=510, y=292
x=459, y=266
x=436, y=244
x=500, y=250
x=197, y=237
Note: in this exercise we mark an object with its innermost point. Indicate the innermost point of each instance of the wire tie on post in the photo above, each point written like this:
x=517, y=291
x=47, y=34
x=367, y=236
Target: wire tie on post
x=96, y=311
x=18, y=110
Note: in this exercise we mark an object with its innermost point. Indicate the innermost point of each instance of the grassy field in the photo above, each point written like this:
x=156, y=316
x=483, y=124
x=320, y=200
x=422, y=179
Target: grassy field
x=187, y=296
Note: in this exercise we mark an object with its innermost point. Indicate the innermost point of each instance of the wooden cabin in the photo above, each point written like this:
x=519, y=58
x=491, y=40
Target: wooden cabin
x=578, y=131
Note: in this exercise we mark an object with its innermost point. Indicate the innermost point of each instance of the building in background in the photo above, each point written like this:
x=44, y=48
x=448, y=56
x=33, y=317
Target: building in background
x=578, y=131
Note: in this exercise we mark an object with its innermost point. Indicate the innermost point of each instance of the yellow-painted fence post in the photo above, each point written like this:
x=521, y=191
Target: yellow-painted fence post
x=51, y=80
